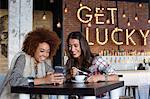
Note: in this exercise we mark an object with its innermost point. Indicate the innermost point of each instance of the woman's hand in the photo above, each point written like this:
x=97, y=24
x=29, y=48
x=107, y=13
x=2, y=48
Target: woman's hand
x=74, y=71
x=100, y=77
x=55, y=78
x=95, y=78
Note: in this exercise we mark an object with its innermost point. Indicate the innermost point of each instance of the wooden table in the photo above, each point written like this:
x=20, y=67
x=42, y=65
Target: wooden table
x=81, y=89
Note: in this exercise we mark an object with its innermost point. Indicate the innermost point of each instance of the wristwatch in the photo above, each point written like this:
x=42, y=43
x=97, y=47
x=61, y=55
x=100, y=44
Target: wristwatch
x=31, y=81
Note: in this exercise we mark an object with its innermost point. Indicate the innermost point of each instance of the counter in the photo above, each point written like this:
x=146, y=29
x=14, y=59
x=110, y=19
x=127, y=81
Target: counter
x=135, y=77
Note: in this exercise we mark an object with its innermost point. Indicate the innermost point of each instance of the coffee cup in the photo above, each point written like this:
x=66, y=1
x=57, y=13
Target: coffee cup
x=80, y=78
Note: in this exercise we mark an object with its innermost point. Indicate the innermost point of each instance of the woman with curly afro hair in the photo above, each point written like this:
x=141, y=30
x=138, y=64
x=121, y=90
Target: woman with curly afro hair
x=34, y=61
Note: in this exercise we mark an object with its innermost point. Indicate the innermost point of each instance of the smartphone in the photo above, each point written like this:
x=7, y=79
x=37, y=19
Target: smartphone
x=60, y=69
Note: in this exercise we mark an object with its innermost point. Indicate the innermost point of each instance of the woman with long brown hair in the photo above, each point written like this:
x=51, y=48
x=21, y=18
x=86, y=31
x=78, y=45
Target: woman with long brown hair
x=80, y=58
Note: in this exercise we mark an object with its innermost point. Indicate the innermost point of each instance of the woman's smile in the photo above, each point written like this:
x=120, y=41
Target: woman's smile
x=74, y=48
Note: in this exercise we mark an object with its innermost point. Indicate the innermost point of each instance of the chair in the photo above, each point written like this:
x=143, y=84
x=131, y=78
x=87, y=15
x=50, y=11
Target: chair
x=134, y=89
x=126, y=89
x=126, y=97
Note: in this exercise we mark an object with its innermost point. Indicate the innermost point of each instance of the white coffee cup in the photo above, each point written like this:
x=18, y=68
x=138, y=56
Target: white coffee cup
x=80, y=78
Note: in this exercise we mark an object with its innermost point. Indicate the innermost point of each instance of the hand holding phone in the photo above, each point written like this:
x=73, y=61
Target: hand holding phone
x=60, y=69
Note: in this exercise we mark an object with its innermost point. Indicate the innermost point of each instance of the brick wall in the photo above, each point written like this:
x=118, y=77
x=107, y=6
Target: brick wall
x=71, y=23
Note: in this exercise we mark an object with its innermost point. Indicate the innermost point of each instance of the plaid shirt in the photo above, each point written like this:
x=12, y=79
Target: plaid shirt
x=100, y=65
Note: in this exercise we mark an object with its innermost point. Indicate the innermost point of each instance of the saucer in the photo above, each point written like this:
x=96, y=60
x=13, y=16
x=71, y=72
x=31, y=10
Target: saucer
x=75, y=81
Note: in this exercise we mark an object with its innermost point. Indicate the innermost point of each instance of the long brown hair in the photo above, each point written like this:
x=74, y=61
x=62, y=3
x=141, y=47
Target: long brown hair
x=86, y=55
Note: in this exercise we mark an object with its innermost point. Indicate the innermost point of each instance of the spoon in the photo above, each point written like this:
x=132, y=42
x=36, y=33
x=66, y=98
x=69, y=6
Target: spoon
x=85, y=73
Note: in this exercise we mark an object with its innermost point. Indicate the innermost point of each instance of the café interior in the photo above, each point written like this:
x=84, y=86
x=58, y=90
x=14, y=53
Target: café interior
x=117, y=30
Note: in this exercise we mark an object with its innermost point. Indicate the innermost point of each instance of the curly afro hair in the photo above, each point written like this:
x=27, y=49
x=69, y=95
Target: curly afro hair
x=41, y=35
